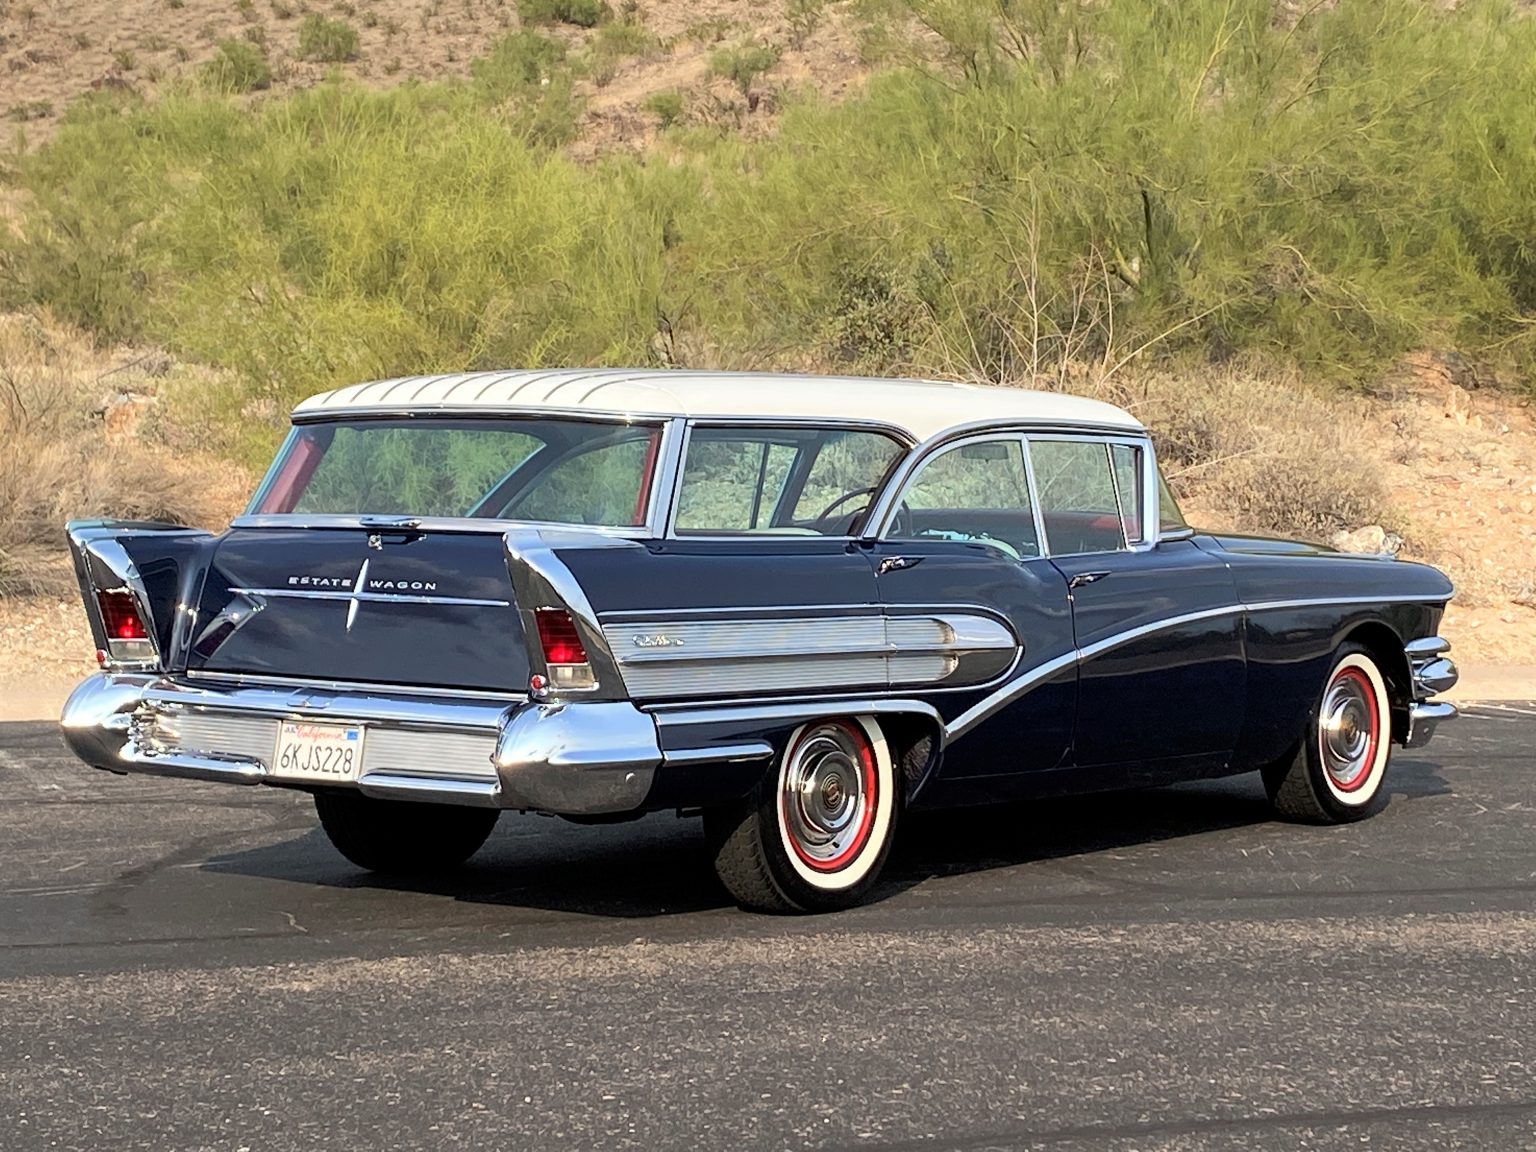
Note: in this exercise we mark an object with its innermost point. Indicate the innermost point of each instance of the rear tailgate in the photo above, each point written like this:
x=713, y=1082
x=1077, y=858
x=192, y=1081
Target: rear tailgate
x=431, y=609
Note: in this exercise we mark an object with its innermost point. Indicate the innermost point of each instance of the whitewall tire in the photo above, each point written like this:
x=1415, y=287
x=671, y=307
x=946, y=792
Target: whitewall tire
x=815, y=833
x=1336, y=774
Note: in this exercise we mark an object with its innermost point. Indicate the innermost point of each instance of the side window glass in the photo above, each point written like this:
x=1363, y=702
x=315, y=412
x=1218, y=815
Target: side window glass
x=842, y=479
x=605, y=485
x=731, y=484
x=1127, y=471
x=978, y=493
x=1077, y=496
x=1169, y=518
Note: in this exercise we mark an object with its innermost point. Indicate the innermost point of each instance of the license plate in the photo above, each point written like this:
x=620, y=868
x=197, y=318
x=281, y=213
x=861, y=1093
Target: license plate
x=323, y=753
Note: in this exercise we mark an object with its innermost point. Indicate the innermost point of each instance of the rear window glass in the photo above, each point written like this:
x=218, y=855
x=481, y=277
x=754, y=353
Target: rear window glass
x=565, y=471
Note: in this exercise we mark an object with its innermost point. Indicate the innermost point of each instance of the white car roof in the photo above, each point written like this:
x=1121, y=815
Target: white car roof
x=923, y=408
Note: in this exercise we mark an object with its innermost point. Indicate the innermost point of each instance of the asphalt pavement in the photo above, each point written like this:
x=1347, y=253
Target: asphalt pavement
x=188, y=966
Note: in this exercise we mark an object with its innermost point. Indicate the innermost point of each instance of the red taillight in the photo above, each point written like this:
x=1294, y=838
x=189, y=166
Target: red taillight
x=128, y=638
x=120, y=616
x=565, y=657
x=558, y=637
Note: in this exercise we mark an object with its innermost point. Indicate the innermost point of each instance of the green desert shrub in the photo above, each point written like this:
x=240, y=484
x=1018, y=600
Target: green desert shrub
x=238, y=66
x=582, y=13
x=743, y=63
x=666, y=106
x=326, y=40
x=525, y=76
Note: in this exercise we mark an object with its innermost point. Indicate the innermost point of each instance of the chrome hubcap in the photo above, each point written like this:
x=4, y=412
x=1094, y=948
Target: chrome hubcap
x=825, y=795
x=1347, y=729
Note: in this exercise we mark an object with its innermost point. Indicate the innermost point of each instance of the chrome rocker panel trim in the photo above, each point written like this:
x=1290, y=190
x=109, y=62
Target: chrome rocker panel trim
x=585, y=758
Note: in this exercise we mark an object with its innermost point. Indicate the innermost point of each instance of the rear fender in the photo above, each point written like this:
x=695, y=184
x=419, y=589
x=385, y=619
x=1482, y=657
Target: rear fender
x=540, y=579
x=161, y=566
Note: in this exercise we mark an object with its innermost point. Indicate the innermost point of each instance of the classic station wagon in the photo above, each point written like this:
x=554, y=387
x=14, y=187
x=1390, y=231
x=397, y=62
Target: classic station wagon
x=798, y=606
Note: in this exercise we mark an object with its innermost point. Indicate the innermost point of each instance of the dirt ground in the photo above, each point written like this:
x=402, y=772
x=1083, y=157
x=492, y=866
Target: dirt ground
x=1462, y=465
x=51, y=53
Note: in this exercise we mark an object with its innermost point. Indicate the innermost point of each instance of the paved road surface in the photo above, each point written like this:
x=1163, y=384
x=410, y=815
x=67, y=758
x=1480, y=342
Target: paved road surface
x=186, y=966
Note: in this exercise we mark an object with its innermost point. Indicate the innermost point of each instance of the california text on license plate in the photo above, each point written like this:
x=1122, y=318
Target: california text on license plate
x=318, y=752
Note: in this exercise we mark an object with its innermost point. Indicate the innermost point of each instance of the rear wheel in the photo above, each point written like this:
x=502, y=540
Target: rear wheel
x=1337, y=771
x=813, y=836
x=399, y=836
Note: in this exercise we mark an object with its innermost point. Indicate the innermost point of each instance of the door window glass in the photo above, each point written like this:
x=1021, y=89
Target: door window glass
x=1077, y=496
x=976, y=492
x=730, y=483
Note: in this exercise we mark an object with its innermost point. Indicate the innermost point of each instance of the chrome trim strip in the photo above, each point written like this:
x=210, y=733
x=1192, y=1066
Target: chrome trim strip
x=400, y=709
x=1326, y=601
x=214, y=680
x=1011, y=691
x=465, y=525
x=377, y=597
x=792, y=711
x=707, y=657
x=726, y=753
x=737, y=612
x=432, y=790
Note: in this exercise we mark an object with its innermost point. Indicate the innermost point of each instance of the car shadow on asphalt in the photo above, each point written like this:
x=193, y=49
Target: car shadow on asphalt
x=659, y=866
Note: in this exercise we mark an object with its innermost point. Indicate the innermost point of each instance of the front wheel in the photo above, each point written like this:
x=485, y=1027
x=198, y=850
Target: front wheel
x=402, y=836
x=1337, y=771
x=813, y=836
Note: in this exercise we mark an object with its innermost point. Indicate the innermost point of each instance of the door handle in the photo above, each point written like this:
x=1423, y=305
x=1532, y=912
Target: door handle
x=896, y=564
x=1082, y=578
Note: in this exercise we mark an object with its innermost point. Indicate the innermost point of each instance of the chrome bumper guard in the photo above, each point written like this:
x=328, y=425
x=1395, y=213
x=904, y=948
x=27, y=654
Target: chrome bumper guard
x=574, y=759
x=1432, y=673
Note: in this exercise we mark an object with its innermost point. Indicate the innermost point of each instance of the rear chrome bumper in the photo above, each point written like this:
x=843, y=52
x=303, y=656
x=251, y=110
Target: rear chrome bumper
x=1432, y=673
x=574, y=759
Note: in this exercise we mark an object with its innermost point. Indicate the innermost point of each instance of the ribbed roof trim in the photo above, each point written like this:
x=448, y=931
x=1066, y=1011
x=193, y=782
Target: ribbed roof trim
x=922, y=408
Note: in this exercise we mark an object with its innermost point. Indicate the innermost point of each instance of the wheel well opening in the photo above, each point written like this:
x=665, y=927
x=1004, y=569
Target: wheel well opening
x=1386, y=648
x=914, y=743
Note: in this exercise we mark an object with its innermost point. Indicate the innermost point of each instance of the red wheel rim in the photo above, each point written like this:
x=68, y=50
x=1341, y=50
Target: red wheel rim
x=829, y=794
x=1349, y=729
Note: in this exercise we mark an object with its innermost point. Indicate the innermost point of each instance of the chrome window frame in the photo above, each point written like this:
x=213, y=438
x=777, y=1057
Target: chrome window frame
x=954, y=444
x=902, y=438
x=662, y=479
x=882, y=519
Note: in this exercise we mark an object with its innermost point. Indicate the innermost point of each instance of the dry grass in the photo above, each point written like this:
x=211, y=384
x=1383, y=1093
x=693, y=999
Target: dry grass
x=1250, y=447
x=55, y=54
x=1271, y=453
x=79, y=442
